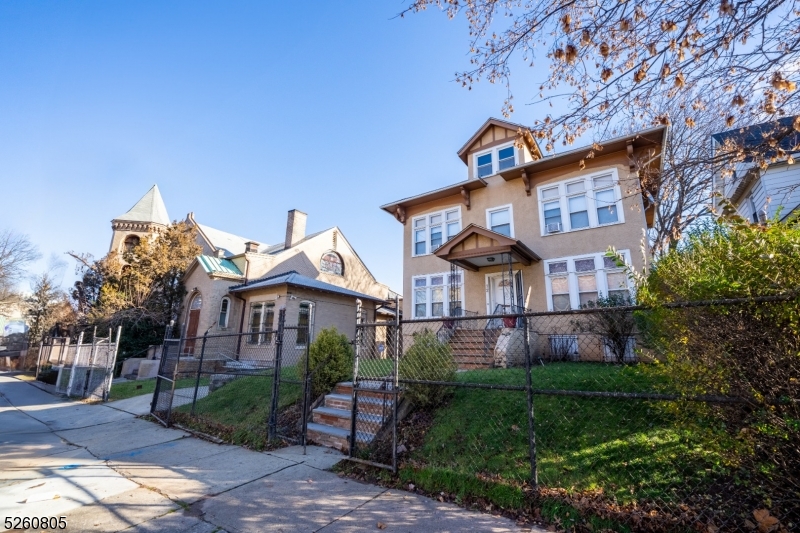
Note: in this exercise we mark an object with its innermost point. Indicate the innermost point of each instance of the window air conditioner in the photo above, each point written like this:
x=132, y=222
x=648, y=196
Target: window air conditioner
x=555, y=227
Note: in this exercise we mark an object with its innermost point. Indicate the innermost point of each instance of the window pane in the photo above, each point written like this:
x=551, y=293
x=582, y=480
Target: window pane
x=436, y=237
x=452, y=215
x=586, y=297
x=609, y=262
x=419, y=303
x=622, y=295
x=606, y=207
x=500, y=222
x=603, y=181
x=419, y=223
x=419, y=282
x=484, y=165
x=303, y=321
x=576, y=186
x=420, y=296
x=559, y=285
x=561, y=302
x=552, y=213
x=579, y=220
x=452, y=229
x=505, y=158
x=587, y=283
x=584, y=265
x=578, y=216
x=550, y=193
x=484, y=159
x=455, y=278
x=436, y=219
x=557, y=268
x=437, y=280
x=419, y=242
x=617, y=280
x=268, y=320
x=437, y=301
x=419, y=311
x=419, y=248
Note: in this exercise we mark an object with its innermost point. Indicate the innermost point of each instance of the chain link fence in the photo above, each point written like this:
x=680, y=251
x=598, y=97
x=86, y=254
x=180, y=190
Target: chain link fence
x=246, y=388
x=679, y=418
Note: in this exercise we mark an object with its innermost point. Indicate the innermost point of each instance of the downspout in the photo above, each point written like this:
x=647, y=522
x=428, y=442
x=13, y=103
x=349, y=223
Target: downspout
x=244, y=307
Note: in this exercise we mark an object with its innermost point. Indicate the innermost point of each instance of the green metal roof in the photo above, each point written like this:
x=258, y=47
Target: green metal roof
x=215, y=265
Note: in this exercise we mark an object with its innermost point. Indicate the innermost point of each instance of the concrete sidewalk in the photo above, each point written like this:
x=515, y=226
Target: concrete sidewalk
x=106, y=470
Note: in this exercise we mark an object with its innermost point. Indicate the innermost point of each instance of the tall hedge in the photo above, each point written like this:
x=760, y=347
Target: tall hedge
x=331, y=360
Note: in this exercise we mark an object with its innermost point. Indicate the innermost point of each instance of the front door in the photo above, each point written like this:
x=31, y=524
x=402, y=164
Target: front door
x=500, y=291
x=194, y=321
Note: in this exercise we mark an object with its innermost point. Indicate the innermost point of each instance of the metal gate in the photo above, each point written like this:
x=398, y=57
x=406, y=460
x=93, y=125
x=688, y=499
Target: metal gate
x=161, y=405
x=85, y=369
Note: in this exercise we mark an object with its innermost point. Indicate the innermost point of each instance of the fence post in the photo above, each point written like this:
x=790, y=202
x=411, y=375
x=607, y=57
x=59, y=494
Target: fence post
x=74, y=363
x=354, y=399
x=272, y=427
x=307, y=389
x=199, y=370
x=529, y=390
x=112, y=364
x=395, y=381
x=39, y=358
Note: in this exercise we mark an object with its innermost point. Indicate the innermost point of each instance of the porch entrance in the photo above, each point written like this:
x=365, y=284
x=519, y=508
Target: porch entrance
x=504, y=292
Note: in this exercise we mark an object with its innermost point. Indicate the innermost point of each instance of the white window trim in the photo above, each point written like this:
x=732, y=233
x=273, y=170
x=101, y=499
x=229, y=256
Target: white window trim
x=495, y=158
x=263, y=327
x=427, y=227
x=572, y=276
x=591, y=204
x=428, y=299
x=491, y=210
x=227, y=313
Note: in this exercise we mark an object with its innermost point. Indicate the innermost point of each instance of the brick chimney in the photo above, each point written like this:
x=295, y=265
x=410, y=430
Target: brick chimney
x=251, y=247
x=295, y=228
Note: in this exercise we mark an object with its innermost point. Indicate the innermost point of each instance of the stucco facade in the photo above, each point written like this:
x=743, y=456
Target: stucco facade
x=519, y=193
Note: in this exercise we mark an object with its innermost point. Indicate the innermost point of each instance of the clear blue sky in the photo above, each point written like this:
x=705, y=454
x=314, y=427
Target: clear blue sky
x=239, y=111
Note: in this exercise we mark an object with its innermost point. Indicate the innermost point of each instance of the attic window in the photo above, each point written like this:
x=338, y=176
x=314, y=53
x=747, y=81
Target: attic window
x=331, y=263
x=505, y=158
x=495, y=160
x=485, y=165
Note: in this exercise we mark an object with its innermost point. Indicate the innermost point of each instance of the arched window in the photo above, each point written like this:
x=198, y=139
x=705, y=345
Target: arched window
x=197, y=302
x=331, y=263
x=224, y=311
x=131, y=242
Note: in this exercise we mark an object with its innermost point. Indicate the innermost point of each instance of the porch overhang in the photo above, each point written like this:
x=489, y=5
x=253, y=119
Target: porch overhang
x=476, y=247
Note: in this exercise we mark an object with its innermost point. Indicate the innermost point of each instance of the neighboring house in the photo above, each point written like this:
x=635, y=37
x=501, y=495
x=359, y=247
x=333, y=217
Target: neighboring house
x=758, y=194
x=238, y=285
x=525, y=231
x=324, y=266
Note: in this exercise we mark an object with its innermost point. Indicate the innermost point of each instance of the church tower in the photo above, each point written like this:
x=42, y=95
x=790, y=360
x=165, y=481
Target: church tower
x=146, y=217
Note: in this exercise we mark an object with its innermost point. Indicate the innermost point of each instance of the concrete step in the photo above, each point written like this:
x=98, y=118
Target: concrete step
x=367, y=404
x=336, y=437
x=333, y=417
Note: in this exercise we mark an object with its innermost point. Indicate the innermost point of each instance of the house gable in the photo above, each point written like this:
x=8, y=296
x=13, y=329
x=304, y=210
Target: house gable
x=495, y=131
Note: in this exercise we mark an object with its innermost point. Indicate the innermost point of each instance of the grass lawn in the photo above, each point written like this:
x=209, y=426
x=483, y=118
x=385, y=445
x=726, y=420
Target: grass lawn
x=129, y=389
x=629, y=449
x=238, y=411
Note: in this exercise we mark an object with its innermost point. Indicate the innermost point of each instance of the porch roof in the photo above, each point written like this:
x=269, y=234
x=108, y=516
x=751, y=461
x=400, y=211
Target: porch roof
x=476, y=247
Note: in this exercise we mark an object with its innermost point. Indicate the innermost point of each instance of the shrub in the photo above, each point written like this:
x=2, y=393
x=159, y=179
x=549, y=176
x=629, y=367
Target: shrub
x=331, y=359
x=612, y=322
x=431, y=360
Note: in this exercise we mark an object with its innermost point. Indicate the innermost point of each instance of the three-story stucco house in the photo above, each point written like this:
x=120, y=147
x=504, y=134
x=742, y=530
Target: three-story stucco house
x=525, y=231
x=758, y=193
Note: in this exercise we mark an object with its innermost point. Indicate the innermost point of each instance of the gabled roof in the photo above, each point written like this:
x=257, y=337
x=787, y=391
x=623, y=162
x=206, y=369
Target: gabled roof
x=298, y=280
x=781, y=130
x=498, y=244
x=219, y=266
x=149, y=208
x=530, y=142
x=222, y=240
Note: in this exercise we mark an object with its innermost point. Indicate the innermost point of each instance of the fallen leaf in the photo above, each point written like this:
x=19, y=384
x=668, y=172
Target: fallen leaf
x=381, y=525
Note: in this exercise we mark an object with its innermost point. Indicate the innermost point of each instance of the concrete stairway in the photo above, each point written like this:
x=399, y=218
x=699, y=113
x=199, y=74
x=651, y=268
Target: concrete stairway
x=330, y=424
x=474, y=348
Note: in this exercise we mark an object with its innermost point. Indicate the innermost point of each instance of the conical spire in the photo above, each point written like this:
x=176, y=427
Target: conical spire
x=150, y=208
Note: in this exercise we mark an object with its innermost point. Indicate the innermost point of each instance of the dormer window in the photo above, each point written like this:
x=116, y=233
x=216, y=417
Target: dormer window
x=494, y=160
x=505, y=158
x=485, y=165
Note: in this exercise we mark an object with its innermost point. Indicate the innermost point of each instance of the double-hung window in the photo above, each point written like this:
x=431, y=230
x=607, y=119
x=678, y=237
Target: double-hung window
x=573, y=282
x=224, y=311
x=494, y=160
x=576, y=204
x=433, y=296
x=303, y=323
x=500, y=219
x=262, y=316
x=434, y=229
